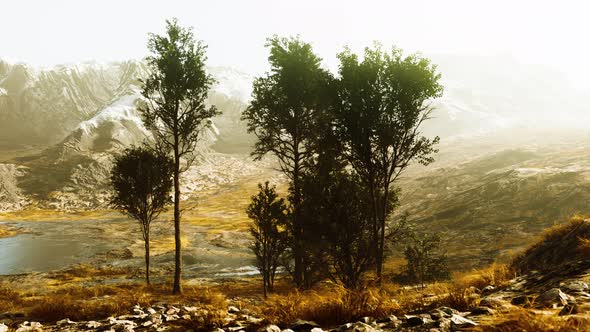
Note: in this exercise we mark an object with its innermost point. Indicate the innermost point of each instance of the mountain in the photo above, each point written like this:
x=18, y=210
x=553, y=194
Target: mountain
x=94, y=117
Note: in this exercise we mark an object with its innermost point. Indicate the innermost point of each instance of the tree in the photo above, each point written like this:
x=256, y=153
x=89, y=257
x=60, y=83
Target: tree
x=282, y=116
x=176, y=90
x=142, y=180
x=343, y=223
x=424, y=261
x=382, y=102
x=269, y=214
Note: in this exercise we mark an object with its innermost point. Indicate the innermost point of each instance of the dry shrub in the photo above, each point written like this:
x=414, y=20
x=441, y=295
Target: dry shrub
x=495, y=275
x=456, y=297
x=204, y=295
x=331, y=305
x=86, y=271
x=9, y=298
x=558, y=244
x=85, y=303
x=522, y=320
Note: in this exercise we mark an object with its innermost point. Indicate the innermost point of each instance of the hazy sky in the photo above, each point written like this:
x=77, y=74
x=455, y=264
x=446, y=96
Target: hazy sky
x=545, y=32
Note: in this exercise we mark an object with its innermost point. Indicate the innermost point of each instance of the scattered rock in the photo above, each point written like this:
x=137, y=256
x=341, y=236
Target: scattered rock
x=233, y=310
x=303, y=325
x=478, y=311
x=270, y=328
x=459, y=322
x=492, y=302
x=522, y=300
x=488, y=289
x=575, y=286
x=356, y=327
x=3, y=328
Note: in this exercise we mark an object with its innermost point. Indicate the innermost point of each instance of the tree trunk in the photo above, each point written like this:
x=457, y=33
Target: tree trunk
x=297, y=231
x=147, y=259
x=375, y=245
x=381, y=248
x=178, y=254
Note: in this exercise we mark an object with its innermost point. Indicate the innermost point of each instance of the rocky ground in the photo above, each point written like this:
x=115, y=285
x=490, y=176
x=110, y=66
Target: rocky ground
x=565, y=292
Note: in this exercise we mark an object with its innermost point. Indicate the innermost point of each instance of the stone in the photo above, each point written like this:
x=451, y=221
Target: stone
x=552, y=297
x=575, y=286
x=491, y=301
x=270, y=328
x=189, y=309
x=417, y=320
x=521, y=300
x=488, y=289
x=151, y=311
x=3, y=327
x=459, y=322
x=172, y=311
x=356, y=327
x=317, y=329
x=232, y=310
x=478, y=311
x=63, y=322
x=92, y=324
x=303, y=325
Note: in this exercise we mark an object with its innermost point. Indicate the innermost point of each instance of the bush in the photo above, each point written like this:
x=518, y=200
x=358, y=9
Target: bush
x=425, y=263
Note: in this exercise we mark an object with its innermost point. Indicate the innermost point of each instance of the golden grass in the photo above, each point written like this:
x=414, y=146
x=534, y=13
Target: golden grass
x=496, y=275
x=80, y=302
x=523, y=320
x=55, y=215
x=328, y=305
x=556, y=245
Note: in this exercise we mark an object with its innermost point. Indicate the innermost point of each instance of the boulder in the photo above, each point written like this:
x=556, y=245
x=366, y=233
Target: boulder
x=553, y=297
x=3, y=328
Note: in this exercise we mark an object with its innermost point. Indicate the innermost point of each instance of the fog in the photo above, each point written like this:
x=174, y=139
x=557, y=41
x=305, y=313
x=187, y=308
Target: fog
x=525, y=58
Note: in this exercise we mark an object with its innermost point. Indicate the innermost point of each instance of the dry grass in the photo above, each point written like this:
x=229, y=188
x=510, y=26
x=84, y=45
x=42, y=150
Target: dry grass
x=522, y=320
x=496, y=275
x=85, y=302
x=556, y=245
x=329, y=304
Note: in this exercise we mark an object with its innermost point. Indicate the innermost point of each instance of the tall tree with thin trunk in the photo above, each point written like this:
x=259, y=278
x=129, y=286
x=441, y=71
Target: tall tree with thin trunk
x=142, y=180
x=383, y=101
x=282, y=116
x=175, y=111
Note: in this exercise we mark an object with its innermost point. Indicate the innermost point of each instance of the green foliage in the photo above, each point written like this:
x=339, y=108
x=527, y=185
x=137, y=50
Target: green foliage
x=176, y=89
x=142, y=179
x=269, y=214
x=382, y=102
x=342, y=217
x=283, y=115
x=425, y=263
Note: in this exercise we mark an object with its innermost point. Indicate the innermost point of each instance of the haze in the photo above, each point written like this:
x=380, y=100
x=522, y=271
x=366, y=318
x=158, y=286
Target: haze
x=533, y=32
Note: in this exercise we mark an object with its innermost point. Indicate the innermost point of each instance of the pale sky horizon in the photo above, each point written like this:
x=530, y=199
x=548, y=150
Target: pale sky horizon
x=549, y=33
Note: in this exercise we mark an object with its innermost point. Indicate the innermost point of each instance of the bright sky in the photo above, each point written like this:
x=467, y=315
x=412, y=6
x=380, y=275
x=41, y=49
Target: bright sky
x=542, y=32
